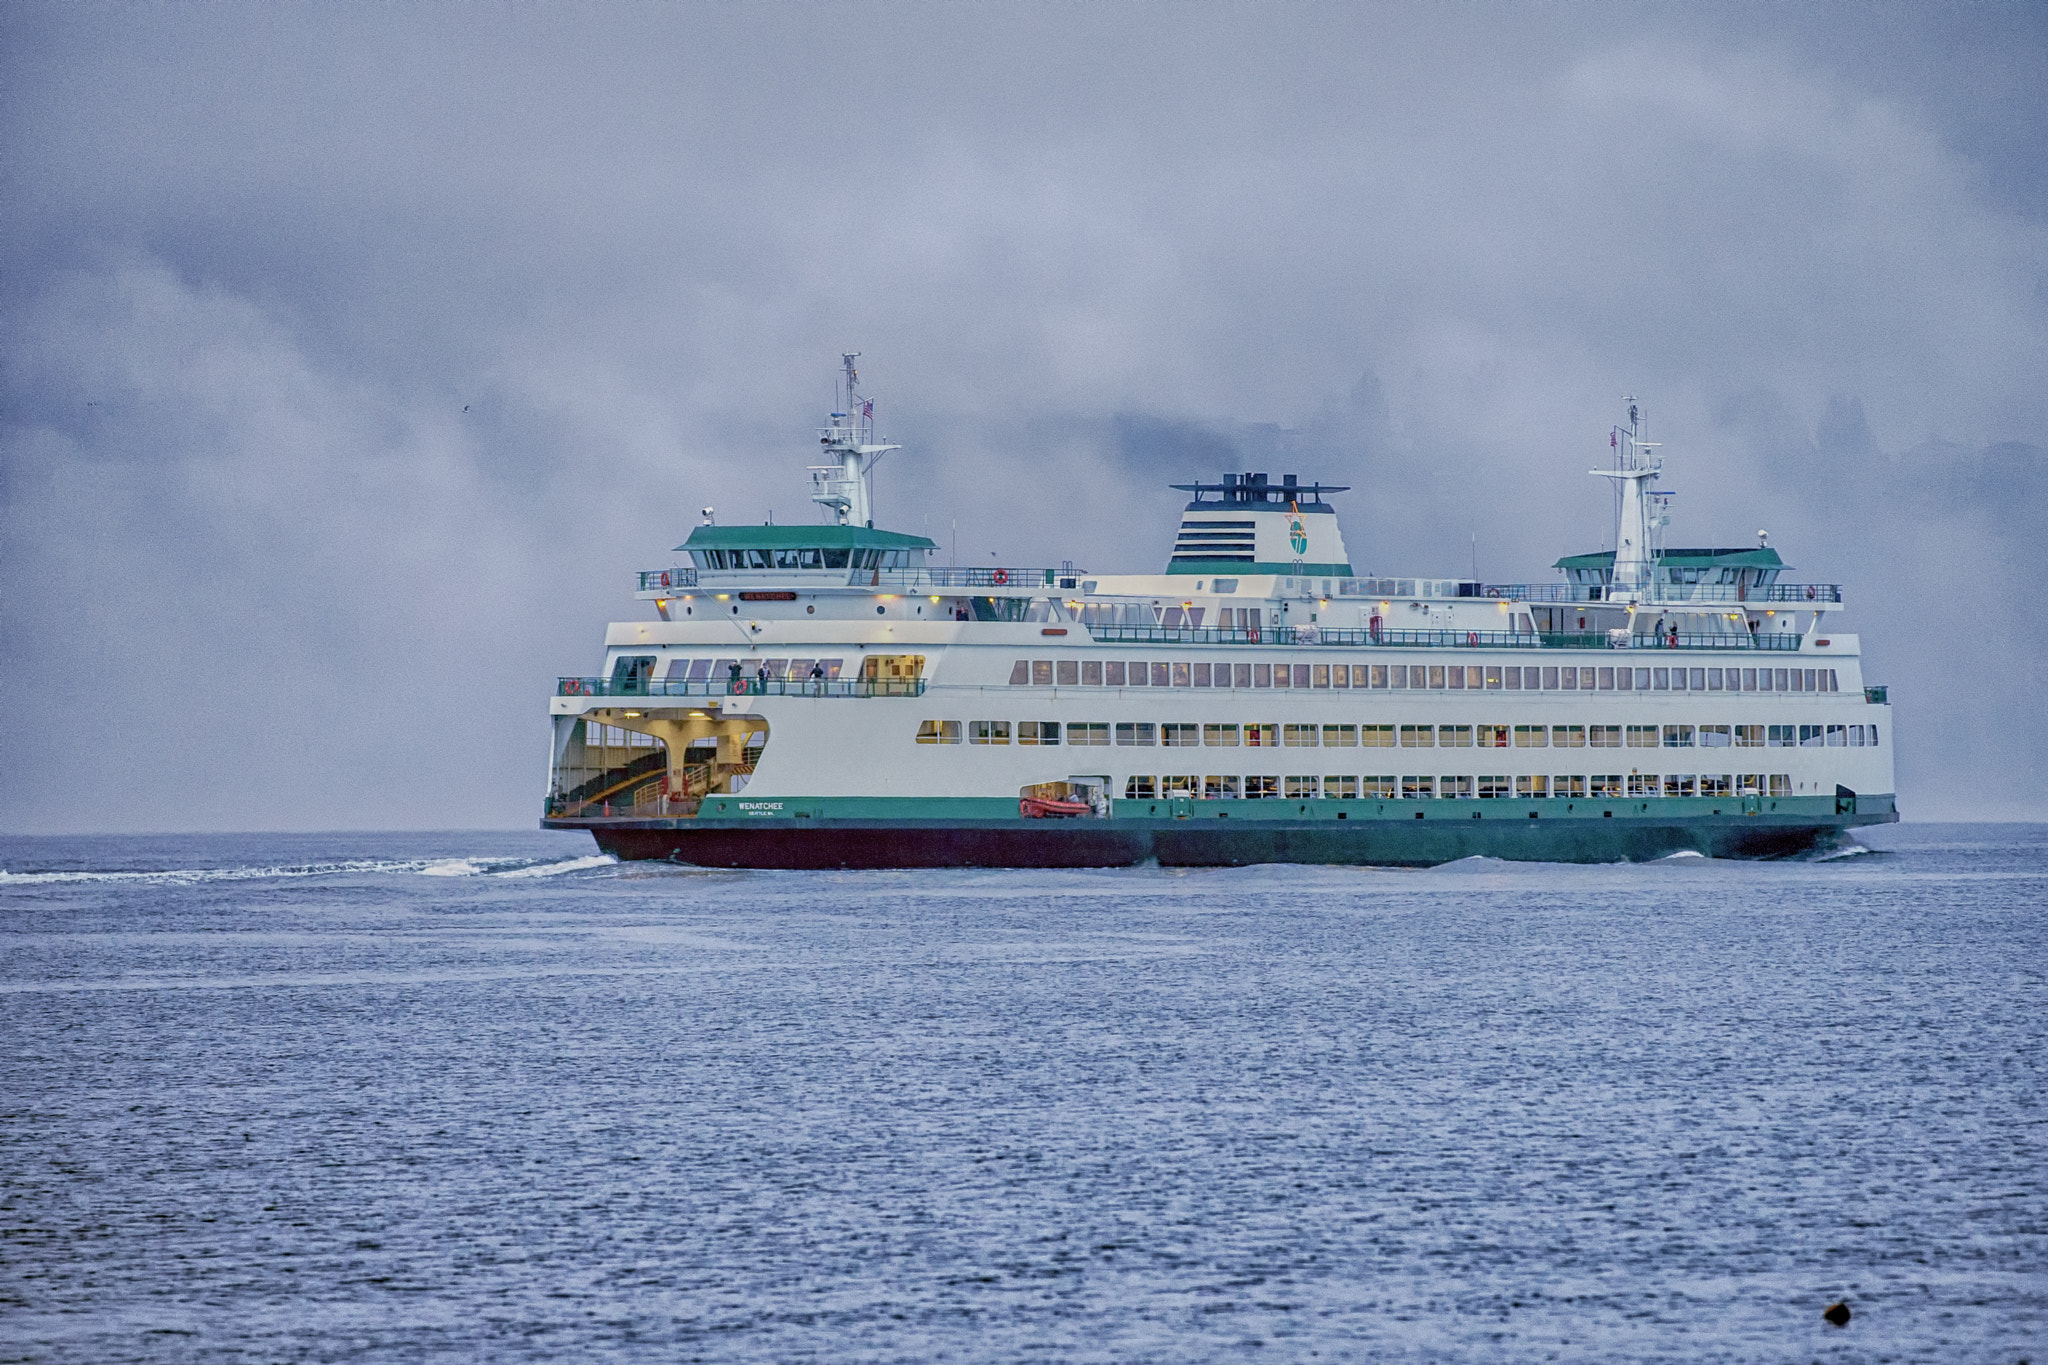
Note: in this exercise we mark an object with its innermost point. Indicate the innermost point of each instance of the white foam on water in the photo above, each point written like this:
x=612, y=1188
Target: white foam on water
x=421, y=867
x=188, y=875
x=452, y=867
x=557, y=869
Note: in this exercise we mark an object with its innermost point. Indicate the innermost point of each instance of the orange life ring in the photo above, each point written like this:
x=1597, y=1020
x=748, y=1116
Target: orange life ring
x=1000, y=576
x=739, y=686
x=664, y=580
x=573, y=687
x=1809, y=592
x=1471, y=637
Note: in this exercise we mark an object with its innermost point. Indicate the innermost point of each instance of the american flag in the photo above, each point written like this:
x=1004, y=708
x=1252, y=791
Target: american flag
x=867, y=408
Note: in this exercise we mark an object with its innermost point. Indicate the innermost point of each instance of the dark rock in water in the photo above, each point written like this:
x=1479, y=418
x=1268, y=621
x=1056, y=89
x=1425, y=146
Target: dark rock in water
x=1837, y=1313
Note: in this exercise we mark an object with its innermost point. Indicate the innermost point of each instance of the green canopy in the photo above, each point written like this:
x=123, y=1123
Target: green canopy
x=1748, y=557
x=767, y=537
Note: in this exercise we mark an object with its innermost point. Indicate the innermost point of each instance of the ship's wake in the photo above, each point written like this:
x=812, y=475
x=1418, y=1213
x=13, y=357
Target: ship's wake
x=350, y=867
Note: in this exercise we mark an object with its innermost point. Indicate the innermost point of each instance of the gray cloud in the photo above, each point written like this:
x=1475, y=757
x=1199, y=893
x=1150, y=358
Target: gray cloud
x=354, y=357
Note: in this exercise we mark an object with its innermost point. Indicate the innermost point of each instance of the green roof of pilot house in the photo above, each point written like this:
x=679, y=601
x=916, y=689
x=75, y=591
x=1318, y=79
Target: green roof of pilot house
x=1744, y=557
x=767, y=537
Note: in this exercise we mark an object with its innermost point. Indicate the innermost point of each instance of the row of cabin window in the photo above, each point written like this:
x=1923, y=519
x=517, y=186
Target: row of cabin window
x=1425, y=787
x=597, y=736
x=1188, y=735
x=1457, y=677
x=803, y=558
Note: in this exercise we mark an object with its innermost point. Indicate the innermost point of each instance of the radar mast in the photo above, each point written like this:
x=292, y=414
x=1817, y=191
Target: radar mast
x=846, y=486
x=1642, y=513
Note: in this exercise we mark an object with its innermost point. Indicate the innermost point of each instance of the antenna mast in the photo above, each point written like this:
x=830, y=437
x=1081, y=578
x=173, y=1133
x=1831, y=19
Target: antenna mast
x=846, y=486
x=1642, y=513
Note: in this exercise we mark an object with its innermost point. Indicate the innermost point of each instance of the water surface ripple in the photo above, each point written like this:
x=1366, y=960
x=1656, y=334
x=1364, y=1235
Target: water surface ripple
x=412, y=1098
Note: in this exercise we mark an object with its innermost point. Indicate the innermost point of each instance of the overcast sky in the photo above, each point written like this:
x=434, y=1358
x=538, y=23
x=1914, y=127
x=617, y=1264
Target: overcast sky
x=353, y=356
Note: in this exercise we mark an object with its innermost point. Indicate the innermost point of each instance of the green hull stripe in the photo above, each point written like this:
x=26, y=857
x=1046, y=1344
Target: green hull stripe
x=928, y=810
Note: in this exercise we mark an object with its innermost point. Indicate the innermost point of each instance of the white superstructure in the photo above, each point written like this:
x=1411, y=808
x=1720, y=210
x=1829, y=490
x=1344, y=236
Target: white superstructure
x=830, y=673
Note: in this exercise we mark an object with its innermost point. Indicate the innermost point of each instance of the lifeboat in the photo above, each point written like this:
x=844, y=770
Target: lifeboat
x=1051, y=808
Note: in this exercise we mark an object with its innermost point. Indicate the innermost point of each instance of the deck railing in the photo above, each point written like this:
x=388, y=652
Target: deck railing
x=1432, y=639
x=741, y=687
x=1025, y=581
x=1005, y=581
x=1664, y=594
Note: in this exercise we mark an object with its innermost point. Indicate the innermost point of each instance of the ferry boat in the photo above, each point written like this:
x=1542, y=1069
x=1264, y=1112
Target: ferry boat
x=823, y=696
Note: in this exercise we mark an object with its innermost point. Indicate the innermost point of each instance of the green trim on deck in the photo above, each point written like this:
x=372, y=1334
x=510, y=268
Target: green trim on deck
x=801, y=537
x=1753, y=557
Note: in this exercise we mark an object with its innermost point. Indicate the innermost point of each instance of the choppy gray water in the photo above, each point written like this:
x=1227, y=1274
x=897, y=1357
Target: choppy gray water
x=487, y=1097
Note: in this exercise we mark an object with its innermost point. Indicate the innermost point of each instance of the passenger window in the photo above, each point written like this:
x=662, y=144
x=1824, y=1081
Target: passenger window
x=938, y=732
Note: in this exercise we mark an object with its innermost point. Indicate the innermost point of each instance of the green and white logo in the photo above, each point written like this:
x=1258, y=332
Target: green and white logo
x=1297, y=536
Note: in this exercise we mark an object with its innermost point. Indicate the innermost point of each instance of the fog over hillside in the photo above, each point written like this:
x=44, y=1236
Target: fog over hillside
x=354, y=357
